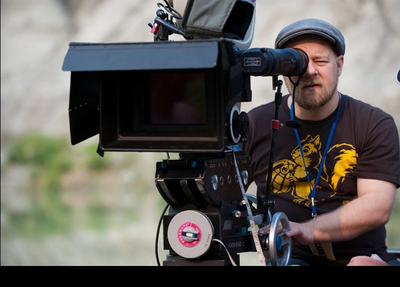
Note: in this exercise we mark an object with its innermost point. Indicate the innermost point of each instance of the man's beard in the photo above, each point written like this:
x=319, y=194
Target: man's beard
x=311, y=99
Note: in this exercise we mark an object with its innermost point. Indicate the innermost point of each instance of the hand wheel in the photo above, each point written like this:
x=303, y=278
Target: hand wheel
x=279, y=242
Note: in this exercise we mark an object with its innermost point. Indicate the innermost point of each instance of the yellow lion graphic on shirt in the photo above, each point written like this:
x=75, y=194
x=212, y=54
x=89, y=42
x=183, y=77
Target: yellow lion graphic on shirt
x=288, y=174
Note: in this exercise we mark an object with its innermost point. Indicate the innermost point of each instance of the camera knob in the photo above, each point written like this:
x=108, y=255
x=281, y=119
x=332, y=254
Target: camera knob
x=214, y=182
x=239, y=124
x=160, y=13
x=243, y=123
x=190, y=234
x=245, y=177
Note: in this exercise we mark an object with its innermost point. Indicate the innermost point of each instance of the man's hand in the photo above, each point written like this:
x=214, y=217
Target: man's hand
x=367, y=261
x=300, y=233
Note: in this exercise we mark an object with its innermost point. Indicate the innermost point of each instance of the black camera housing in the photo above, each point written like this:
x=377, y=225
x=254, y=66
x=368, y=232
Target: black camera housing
x=178, y=97
x=158, y=97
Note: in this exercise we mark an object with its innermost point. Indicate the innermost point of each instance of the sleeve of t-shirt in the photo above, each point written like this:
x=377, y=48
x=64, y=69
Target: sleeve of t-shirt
x=379, y=156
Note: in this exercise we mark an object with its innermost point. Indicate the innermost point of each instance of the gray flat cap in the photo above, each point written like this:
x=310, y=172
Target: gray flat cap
x=314, y=27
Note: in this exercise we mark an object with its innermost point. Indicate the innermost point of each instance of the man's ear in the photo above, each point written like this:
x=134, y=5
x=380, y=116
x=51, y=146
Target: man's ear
x=340, y=64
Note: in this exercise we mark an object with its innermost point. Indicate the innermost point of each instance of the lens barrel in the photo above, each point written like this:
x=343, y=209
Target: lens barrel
x=274, y=62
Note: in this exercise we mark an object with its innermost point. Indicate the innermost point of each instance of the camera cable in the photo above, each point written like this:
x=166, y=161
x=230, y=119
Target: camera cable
x=226, y=249
x=158, y=234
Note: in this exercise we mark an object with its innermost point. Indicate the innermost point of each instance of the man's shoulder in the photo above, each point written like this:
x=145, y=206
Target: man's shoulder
x=364, y=109
x=260, y=109
x=266, y=108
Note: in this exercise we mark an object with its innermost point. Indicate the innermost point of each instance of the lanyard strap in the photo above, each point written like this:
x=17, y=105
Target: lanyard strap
x=313, y=191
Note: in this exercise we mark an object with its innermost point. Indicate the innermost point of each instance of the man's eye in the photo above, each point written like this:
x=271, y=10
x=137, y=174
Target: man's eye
x=322, y=61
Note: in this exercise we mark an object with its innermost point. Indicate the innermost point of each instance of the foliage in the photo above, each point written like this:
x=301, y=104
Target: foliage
x=93, y=161
x=49, y=159
x=40, y=151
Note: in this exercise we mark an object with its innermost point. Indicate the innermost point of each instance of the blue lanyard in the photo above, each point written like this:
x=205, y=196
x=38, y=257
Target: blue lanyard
x=313, y=191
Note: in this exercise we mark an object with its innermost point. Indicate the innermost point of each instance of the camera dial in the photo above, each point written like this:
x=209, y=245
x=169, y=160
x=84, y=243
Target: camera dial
x=190, y=234
x=238, y=123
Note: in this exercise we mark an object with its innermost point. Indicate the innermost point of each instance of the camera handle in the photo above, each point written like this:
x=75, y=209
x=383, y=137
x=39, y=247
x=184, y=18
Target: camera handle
x=164, y=25
x=277, y=241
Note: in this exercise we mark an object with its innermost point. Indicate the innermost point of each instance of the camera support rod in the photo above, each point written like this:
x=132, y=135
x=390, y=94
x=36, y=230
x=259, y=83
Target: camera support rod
x=275, y=126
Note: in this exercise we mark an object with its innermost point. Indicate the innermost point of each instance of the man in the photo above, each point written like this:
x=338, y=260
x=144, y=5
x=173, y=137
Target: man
x=336, y=163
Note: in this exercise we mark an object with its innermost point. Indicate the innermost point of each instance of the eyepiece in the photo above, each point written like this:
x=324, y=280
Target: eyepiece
x=288, y=62
x=274, y=62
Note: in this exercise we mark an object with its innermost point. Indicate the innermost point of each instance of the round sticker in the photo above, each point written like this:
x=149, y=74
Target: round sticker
x=189, y=234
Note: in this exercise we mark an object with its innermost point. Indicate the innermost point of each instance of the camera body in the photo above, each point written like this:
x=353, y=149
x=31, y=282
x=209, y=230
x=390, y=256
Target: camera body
x=183, y=97
x=167, y=96
x=171, y=97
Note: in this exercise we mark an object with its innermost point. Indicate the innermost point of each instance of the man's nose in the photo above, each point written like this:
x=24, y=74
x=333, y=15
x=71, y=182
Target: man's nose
x=312, y=69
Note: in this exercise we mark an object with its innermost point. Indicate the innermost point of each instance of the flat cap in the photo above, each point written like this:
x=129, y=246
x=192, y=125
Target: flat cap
x=314, y=27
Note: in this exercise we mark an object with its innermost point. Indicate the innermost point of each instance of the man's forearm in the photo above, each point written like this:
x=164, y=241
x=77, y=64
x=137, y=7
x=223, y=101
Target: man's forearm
x=368, y=211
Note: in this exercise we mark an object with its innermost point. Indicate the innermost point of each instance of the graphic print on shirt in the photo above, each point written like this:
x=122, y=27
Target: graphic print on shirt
x=290, y=176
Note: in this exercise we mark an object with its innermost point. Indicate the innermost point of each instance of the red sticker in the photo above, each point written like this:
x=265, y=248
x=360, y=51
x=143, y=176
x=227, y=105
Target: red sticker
x=189, y=234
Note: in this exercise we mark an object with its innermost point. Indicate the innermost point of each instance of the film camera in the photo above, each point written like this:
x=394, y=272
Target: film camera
x=184, y=97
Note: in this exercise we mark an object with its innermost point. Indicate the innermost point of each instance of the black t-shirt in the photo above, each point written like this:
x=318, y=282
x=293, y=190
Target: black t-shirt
x=365, y=145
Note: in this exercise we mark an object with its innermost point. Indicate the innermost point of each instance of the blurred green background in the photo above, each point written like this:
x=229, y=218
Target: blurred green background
x=63, y=204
